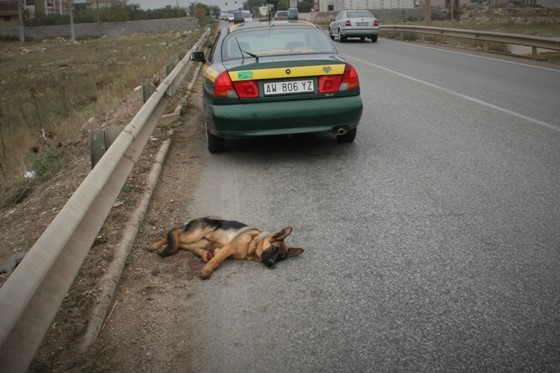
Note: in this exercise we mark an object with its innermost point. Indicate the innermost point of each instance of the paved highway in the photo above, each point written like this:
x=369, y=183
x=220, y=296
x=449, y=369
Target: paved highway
x=432, y=243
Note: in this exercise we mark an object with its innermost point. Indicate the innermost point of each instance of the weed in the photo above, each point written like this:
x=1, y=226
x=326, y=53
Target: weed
x=100, y=367
x=3, y=144
x=409, y=36
x=17, y=192
x=184, y=108
x=48, y=163
x=33, y=94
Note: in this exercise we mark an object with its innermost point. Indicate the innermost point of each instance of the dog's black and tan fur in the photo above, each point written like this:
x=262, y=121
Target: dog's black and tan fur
x=215, y=240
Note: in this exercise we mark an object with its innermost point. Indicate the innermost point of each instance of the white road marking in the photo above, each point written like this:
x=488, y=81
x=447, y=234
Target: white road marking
x=454, y=93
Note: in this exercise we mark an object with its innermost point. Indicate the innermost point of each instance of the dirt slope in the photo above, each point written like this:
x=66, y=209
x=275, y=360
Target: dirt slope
x=22, y=224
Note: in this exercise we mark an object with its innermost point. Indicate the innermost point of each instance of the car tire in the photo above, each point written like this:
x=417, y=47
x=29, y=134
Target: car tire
x=331, y=34
x=374, y=39
x=340, y=37
x=215, y=144
x=348, y=136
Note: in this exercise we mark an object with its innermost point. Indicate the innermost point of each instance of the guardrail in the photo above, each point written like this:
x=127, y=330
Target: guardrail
x=534, y=42
x=31, y=296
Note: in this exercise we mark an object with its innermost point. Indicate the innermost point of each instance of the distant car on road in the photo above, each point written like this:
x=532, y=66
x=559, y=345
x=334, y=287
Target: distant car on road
x=293, y=13
x=281, y=15
x=242, y=16
x=247, y=16
x=354, y=24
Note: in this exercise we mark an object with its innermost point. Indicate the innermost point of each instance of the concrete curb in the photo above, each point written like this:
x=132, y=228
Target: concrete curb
x=110, y=280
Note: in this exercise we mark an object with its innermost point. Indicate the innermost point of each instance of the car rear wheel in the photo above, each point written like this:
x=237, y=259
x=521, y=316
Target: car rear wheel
x=348, y=136
x=215, y=144
x=374, y=39
x=340, y=37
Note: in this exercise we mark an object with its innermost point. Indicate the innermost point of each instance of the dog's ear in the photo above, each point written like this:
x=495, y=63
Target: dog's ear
x=294, y=251
x=285, y=232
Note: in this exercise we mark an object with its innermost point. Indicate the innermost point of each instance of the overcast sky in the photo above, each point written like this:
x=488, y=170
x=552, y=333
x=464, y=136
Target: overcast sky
x=157, y=4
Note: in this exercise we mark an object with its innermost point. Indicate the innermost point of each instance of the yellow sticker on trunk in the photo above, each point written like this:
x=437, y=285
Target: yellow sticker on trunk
x=287, y=72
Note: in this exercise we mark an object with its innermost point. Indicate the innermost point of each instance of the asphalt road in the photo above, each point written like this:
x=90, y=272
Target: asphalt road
x=432, y=243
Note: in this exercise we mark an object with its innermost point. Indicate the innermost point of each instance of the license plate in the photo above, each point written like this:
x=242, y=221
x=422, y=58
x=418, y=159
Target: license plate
x=362, y=23
x=288, y=87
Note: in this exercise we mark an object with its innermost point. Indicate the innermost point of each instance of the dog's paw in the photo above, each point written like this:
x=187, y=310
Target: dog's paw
x=205, y=276
x=205, y=273
x=157, y=245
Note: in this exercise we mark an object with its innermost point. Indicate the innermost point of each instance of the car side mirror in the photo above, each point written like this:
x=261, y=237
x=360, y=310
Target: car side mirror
x=198, y=57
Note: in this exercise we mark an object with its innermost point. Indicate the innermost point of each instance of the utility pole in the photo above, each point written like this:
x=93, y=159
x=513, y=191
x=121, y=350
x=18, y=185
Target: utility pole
x=98, y=18
x=428, y=12
x=71, y=14
x=20, y=15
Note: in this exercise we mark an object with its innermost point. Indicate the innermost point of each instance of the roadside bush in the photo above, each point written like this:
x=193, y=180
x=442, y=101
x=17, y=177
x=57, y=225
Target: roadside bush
x=409, y=36
x=51, y=20
x=47, y=163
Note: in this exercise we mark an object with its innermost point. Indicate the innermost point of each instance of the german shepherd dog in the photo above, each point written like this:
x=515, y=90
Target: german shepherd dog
x=215, y=240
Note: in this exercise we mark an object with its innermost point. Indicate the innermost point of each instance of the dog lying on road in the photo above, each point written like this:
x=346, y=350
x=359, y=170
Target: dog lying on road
x=215, y=240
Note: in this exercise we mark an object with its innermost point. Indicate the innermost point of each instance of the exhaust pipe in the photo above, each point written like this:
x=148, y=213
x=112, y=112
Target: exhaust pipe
x=341, y=131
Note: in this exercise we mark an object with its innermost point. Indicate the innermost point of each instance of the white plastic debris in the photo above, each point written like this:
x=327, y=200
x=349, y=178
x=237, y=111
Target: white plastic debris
x=29, y=174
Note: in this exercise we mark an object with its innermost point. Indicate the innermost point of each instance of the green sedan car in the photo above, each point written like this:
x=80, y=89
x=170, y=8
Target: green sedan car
x=277, y=78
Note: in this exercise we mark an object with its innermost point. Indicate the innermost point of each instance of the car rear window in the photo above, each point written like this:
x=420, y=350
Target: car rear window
x=360, y=14
x=276, y=41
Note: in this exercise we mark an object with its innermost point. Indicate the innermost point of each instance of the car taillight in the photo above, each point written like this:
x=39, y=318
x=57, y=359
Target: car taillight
x=329, y=83
x=223, y=87
x=349, y=79
x=348, y=23
x=247, y=89
x=334, y=83
x=376, y=23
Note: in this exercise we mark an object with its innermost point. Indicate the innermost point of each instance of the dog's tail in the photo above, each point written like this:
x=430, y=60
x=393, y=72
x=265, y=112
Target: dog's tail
x=172, y=243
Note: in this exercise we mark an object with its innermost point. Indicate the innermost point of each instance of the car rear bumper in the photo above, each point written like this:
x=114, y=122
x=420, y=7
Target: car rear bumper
x=355, y=33
x=274, y=118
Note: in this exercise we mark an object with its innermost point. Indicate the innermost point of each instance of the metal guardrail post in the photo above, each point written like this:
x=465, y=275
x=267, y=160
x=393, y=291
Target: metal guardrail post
x=31, y=296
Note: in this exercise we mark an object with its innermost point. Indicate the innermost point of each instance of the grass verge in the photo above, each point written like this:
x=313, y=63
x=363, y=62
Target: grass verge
x=53, y=91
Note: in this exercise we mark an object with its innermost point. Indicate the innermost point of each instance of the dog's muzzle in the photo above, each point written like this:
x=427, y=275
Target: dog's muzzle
x=268, y=257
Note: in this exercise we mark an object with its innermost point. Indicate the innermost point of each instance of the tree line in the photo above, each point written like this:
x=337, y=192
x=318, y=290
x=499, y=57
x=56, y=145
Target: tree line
x=116, y=13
